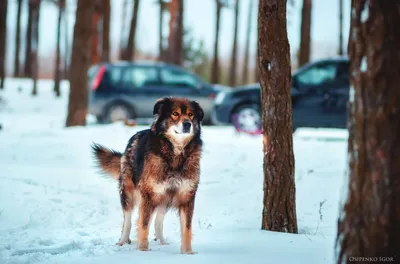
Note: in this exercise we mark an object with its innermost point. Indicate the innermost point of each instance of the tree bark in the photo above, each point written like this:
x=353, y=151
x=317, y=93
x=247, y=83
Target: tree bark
x=232, y=70
x=3, y=41
x=18, y=41
x=57, y=73
x=215, y=78
x=80, y=63
x=340, y=49
x=305, y=33
x=28, y=48
x=175, y=39
x=245, y=73
x=96, y=17
x=279, y=212
x=105, y=53
x=66, y=39
x=35, y=44
x=129, y=52
x=368, y=226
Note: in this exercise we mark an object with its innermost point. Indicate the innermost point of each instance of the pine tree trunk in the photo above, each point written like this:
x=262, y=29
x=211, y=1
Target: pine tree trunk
x=215, y=63
x=232, y=70
x=305, y=33
x=3, y=41
x=28, y=48
x=80, y=63
x=105, y=54
x=57, y=73
x=175, y=39
x=35, y=44
x=18, y=41
x=245, y=73
x=130, y=49
x=96, y=32
x=368, y=226
x=340, y=50
x=279, y=212
x=161, y=56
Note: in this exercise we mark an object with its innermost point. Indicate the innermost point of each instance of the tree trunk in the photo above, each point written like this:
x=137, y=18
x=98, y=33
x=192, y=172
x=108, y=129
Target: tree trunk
x=245, y=72
x=279, y=212
x=57, y=73
x=80, y=63
x=35, y=44
x=232, y=70
x=257, y=69
x=105, y=53
x=66, y=39
x=28, y=48
x=340, y=50
x=305, y=33
x=161, y=51
x=3, y=41
x=122, y=41
x=96, y=32
x=175, y=39
x=215, y=64
x=18, y=41
x=369, y=223
x=130, y=49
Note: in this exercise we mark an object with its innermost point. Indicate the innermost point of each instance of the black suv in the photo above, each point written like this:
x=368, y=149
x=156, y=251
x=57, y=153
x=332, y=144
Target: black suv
x=128, y=90
x=320, y=91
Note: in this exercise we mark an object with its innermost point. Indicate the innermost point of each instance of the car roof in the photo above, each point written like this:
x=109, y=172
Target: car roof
x=145, y=63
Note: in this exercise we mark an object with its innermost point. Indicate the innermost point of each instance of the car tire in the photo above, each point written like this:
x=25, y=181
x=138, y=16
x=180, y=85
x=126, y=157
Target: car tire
x=117, y=112
x=247, y=117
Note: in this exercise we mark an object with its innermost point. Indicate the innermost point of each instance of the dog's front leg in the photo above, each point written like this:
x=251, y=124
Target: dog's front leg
x=146, y=210
x=186, y=215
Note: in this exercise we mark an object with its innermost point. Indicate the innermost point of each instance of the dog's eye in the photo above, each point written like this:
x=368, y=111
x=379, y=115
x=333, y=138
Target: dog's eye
x=190, y=114
x=175, y=113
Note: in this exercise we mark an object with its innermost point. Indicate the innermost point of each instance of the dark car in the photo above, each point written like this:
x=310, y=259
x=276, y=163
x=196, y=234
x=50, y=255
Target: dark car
x=320, y=91
x=128, y=90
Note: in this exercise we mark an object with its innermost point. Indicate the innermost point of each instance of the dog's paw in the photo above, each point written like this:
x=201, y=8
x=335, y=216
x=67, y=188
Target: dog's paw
x=143, y=246
x=162, y=241
x=121, y=243
x=189, y=252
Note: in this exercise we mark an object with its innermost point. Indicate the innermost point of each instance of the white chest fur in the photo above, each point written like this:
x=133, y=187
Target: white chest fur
x=179, y=185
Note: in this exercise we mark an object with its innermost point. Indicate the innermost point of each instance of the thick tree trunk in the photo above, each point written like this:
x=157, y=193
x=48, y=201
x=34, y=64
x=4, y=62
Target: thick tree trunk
x=28, y=48
x=305, y=33
x=3, y=41
x=35, y=44
x=57, y=73
x=279, y=212
x=129, y=53
x=215, y=63
x=232, y=70
x=175, y=39
x=105, y=53
x=369, y=226
x=340, y=49
x=96, y=35
x=245, y=73
x=18, y=41
x=80, y=63
x=161, y=50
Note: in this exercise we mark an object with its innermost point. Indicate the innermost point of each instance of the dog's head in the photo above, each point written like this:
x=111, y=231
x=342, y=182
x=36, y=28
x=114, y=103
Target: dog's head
x=178, y=119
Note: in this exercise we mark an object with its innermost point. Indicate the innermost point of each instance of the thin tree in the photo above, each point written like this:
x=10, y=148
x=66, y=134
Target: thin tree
x=35, y=44
x=66, y=40
x=17, y=40
x=305, y=33
x=129, y=50
x=340, y=49
x=175, y=39
x=28, y=46
x=96, y=17
x=3, y=41
x=161, y=50
x=232, y=69
x=368, y=226
x=215, y=67
x=80, y=63
x=245, y=73
x=105, y=53
x=122, y=41
x=279, y=211
x=57, y=72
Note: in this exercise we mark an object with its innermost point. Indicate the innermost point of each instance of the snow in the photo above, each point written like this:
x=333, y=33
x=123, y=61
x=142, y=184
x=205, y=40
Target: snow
x=56, y=208
x=365, y=13
x=352, y=93
x=364, y=65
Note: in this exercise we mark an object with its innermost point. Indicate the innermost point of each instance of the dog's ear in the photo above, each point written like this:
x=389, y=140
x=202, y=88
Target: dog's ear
x=160, y=103
x=199, y=113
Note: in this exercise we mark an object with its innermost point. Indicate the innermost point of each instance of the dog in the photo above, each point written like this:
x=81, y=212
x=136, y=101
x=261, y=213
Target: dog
x=159, y=170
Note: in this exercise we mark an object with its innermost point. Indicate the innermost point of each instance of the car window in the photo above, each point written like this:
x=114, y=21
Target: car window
x=317, y=74
x=139, y=76
x=114, y=75
x=178, y=78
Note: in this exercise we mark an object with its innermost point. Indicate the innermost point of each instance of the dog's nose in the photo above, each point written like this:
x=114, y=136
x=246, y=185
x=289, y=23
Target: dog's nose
x=186, y=125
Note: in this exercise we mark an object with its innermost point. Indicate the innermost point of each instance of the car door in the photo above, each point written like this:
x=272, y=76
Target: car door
x=314, y=84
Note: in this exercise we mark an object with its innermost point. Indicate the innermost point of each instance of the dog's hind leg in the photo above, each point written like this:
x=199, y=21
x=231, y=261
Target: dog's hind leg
x=126, y=228
x=158, y=225
x=146, y=210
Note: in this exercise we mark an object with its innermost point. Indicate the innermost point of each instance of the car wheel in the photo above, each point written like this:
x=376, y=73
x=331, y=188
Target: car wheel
x=247, y=118
x=117, y=112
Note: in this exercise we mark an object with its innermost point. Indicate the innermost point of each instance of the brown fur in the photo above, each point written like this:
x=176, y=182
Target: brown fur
x=160, y=168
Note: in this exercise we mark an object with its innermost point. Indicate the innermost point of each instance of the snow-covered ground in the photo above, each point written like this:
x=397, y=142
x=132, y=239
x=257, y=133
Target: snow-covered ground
x=55, y=208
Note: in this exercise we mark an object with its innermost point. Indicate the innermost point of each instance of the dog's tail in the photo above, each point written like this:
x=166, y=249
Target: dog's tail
x=108, y=160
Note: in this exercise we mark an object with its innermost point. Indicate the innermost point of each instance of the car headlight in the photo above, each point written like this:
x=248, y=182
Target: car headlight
x=220, y=98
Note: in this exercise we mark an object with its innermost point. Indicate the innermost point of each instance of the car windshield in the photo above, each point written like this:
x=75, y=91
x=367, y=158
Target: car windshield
x=316, y=75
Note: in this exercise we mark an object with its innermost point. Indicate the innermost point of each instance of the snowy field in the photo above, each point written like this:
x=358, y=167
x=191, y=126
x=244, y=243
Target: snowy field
x=55, y=208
